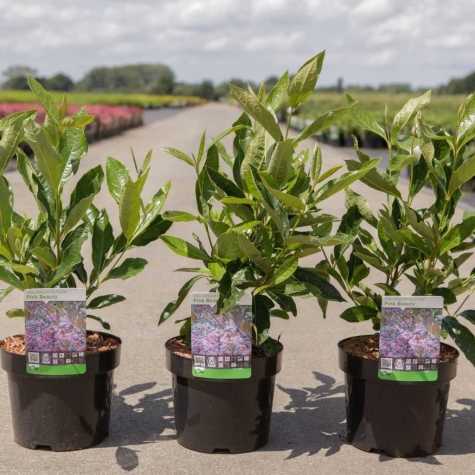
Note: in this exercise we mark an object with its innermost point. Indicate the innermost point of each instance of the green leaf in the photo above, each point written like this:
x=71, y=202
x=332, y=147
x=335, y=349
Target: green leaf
x=367, y=121
x=10, y=140
x=6, y=210
x=334, y=186
x=308, y=240
x=280, y=166
x=102, y=240
x=103, y=323
x=225, y=184
x=88, y=186
x=152, y=232
x=129, y=208
x=249, y=250
x=462, y=174
x=117, y=177
x=323, y=122
x=73, y=147
x=317, y=285
x=250, y=103
x=227, y=246
x=46, y=99
x=232, y=200
x=374, y=179
x=174, y=152
x=173, y=306
x=285, y=270
x=16, y=313
x=447, y=294
x=286, y=199
x=279, y=313
x=408, y=111
x=457, y=235
x=45, y=256
x=71, y=255
x=304, y=82
x=462, y=336
x=466, y=118
x=278, y=94
x=77, y=213
x=49, y=161
x=359, y=313
x=183, y=248
x=105, y=301
x=469, y=315
x=130, y=267
x=179, y=216
x=10, y=279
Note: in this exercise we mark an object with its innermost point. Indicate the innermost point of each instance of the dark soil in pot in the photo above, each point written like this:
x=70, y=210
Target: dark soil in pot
x=222, y=416
x=61, y=413
x=399, y=419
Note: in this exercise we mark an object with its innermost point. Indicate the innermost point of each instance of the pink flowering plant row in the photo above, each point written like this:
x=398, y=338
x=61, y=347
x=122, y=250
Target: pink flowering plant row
x=260, y=206
x=107, y=119
x=405, y=242
x=46, y=250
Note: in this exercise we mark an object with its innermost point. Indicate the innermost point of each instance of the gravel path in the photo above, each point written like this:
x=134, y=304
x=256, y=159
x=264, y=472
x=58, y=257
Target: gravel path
x=309, y=412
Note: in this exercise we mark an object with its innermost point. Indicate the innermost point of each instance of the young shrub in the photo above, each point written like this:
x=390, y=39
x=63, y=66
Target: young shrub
x=260, y=207
x=46, y=250
x=425, y=245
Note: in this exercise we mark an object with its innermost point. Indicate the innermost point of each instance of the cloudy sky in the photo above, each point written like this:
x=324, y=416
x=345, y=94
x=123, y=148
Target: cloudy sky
x=424, y=42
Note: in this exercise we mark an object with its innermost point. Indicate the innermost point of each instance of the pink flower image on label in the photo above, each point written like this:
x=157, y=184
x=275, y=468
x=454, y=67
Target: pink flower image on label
x=55, y=326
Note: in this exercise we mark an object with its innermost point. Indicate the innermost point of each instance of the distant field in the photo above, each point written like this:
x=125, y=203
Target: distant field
x=145, y=101
x=441, y=111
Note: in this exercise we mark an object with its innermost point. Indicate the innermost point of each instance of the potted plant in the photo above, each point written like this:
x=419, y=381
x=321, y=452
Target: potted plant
x=416, y=240
x=46, y=250
x=260, y=211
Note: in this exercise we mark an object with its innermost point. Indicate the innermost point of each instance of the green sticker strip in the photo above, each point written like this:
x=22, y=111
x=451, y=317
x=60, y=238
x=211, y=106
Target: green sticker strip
x=222, y=373
x=57, y=370
x=408, y=376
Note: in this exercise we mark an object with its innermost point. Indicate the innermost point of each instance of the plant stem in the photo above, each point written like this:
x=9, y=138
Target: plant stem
x=289, y=120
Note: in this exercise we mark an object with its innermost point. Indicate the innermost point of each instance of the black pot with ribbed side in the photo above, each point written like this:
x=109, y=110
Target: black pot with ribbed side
x=399, y=419
x=61, y=413
x=223, y=416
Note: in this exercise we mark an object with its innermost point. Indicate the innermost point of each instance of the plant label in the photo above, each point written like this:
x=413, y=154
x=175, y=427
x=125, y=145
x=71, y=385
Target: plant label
x=409, y=341
x=221, y=344
x=55, y=331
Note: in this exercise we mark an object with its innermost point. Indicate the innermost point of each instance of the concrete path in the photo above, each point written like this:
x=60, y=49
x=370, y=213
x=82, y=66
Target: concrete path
x=309, y=412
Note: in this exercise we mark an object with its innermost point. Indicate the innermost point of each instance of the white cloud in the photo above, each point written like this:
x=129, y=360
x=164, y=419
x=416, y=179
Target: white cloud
x=370, y=41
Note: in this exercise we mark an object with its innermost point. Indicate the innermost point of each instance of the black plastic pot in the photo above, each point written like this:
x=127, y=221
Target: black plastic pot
x=399, y=419
x=223, y=416
x=61, y=412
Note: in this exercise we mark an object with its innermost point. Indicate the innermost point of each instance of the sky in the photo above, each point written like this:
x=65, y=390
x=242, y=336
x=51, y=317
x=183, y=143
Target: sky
x=423, y=42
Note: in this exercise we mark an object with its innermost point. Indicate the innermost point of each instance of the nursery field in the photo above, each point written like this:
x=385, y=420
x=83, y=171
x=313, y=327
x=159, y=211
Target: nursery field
x=441, y=111
x=308, y=422
x=145, y=101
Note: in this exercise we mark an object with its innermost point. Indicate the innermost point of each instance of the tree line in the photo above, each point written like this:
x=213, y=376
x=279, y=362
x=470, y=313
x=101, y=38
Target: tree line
x=161, y=79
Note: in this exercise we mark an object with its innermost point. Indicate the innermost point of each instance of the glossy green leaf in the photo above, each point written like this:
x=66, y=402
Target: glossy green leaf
x=280, y=166
x=277, y=97
x=317, y=284
x=457, y=234
x=408, y=111
x=102, y=240
x=462, y=336
x=461, y=175
x=130, y=267
x=359, y=313
x=105, y=301
x=173, y=306
x=183, y=248
x=304, y=81
x=117, y=177
x=285, y=270
x=88, y=186
x=174, y=152
x=256, y=110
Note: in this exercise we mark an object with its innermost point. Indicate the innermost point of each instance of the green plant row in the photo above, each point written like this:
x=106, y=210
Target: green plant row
x=146, y=101
x=442, y=111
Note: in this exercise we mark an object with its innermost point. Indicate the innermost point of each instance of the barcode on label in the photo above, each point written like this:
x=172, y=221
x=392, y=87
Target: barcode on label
x=33, y=357
x=200, y=361
x=386, y=363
